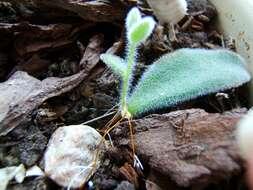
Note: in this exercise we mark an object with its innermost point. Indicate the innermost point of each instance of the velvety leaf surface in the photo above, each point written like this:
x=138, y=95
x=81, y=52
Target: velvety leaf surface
x=140, y=31
x=186, y=74
x=116, y=63
x=133, y=17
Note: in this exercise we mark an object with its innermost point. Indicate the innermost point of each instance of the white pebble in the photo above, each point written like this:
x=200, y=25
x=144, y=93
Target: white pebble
x=34, y=171
x=169, y=11
x=8, y=173
x=70, y=155
x=245, y=135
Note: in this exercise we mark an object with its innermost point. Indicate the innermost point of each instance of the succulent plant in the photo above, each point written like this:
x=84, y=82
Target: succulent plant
x=175, y=77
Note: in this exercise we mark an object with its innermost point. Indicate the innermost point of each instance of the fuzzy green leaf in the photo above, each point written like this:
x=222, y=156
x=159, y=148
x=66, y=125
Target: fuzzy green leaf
x=116, y=63
x=133, y=17
x=186, y=74
x=140, y=31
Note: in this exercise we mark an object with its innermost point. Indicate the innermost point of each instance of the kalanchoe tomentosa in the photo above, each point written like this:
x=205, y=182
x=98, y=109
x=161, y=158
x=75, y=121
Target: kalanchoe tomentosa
x=175, y=77
x=138, y=30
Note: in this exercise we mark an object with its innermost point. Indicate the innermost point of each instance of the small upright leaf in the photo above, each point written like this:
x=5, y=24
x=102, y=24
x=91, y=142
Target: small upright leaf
x=133, y=17
x=186, y=74
x=116, y=63
x=140, y=31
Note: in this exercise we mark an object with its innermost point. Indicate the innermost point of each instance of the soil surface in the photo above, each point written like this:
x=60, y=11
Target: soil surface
x=51, y=76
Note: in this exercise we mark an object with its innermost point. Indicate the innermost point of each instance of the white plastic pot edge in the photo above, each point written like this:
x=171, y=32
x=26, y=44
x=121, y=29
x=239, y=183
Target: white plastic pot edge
x=235, y=20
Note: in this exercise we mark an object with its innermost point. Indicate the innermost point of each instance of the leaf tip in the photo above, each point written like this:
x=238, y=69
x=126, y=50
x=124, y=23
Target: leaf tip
x=133, y=17
x=140, y=31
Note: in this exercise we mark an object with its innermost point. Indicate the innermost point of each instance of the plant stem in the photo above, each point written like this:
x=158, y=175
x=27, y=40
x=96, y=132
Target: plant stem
x=127, y=78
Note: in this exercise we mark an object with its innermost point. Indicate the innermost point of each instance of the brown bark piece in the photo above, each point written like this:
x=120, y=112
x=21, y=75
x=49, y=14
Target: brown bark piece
x=51, y=36
x=93, y=51
x=190, y=146
x=129, y=173
x=23, y=93
x=31, y=40
x=97, y=11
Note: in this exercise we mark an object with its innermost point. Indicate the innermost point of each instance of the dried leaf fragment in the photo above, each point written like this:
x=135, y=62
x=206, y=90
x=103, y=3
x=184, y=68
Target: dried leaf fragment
x=22, y=93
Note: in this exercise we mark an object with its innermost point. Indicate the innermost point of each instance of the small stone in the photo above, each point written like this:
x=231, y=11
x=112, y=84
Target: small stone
x=125, y=185
x=34, y=171
x=8, y=173
x=169, y=11
x=70, y=156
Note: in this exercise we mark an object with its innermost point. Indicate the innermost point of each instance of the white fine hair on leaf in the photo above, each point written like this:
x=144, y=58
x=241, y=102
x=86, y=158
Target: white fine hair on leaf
x=133, y=16
x=244, y=135
x=169, y=80
x=117, y=64
x=141, y=30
